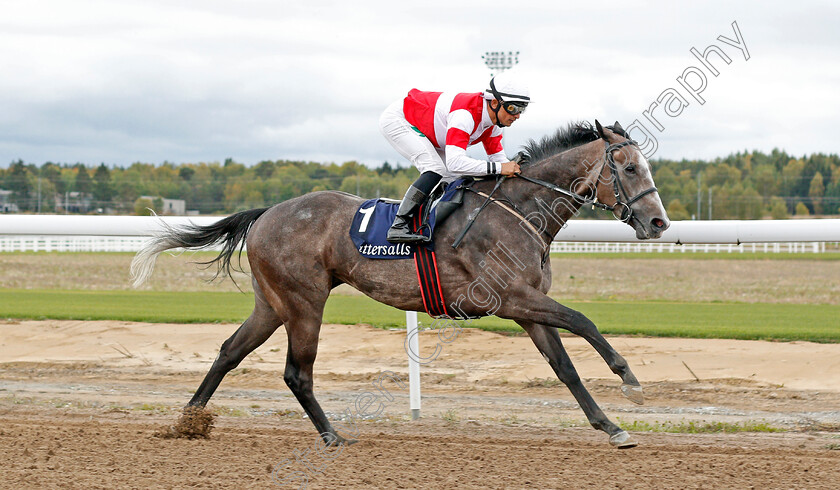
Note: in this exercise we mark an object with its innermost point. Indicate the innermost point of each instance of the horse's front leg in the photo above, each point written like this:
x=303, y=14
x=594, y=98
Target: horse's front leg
x=550, y=346
x=538, y=308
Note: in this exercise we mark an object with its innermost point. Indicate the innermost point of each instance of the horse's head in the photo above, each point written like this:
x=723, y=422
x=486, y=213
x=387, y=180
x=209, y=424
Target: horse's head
x=626, y=183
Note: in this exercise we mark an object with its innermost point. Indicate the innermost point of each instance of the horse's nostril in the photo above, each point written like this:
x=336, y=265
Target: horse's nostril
x=658, y=223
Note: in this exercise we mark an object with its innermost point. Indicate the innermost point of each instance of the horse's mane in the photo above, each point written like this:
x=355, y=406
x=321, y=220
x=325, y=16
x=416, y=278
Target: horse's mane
x=573, y=135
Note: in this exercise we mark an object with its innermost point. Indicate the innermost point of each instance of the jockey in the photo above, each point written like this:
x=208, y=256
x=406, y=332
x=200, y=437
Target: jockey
x=433, y=130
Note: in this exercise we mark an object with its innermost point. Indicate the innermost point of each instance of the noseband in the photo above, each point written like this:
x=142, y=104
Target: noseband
x=622, y=209
x=618, y=188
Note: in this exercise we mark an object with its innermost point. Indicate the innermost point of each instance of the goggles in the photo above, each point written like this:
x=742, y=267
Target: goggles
x=514, y=108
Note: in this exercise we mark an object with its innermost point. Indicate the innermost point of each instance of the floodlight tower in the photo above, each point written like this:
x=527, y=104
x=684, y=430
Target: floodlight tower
x=499, y=61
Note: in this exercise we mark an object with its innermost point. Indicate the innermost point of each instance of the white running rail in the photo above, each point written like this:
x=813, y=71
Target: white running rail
x=62, y=233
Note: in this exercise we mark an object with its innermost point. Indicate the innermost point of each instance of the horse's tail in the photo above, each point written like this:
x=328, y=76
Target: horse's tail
x=230, y=231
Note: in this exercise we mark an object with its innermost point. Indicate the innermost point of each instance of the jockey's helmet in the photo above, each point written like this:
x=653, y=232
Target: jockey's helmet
x=508, y=87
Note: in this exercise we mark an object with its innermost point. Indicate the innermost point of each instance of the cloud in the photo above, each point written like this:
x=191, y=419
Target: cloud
x=118, y=82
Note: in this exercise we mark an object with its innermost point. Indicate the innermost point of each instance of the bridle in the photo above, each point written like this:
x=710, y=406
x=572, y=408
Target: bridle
x=625, y=210
x=622, y=209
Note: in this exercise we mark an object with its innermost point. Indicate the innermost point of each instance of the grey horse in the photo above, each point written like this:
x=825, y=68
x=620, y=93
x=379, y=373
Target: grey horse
x=300, y=249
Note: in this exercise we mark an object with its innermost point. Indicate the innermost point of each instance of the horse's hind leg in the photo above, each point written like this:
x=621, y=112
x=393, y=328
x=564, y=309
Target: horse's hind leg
x=250, y=335
x=549, y=344
x=303, y=333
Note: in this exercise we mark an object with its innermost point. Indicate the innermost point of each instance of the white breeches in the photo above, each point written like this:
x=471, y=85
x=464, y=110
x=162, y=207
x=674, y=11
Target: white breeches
x=411, y=144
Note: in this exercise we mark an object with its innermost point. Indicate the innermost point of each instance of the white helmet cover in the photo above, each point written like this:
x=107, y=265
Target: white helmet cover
x=507, y=87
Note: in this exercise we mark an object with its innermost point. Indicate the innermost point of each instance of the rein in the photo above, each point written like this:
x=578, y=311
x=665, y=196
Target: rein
x=512, y=209
x=473, y=217
x=626, y=213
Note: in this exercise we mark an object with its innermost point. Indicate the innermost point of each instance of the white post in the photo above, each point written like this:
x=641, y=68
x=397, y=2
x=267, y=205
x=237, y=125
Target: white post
x=413, y=363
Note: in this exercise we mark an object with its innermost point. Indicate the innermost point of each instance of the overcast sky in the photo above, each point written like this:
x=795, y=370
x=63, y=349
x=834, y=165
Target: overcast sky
x=123, y=81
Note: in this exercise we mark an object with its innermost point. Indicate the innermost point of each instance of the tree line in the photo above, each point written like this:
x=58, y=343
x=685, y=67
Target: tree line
x=744, y=185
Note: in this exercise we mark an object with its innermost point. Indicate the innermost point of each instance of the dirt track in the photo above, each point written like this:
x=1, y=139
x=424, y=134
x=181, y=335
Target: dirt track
x=54, y=448
x=80, y=402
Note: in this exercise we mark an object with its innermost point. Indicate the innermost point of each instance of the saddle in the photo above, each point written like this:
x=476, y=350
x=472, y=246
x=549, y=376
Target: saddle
x=373, y=218
x=444, y=200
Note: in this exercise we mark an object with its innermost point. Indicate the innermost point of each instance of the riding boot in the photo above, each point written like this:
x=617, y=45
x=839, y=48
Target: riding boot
x=400, y=232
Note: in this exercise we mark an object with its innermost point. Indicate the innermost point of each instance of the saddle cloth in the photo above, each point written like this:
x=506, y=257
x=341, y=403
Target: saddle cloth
x=373, y=218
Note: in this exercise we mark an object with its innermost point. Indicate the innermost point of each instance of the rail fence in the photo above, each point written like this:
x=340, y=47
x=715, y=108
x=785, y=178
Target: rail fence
x=57, y=233
x=32, y=243
x=93, y=243
x=611, y=247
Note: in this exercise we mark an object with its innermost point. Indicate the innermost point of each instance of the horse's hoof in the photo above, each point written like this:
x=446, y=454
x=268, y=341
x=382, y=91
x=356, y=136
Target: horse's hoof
x=633, y=393
x=622, y=440
x=336, y=440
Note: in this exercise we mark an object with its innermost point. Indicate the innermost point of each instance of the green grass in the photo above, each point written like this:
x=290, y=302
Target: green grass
x=752, y=321
x=698, y=427
x=746, y=321
x=136, y=306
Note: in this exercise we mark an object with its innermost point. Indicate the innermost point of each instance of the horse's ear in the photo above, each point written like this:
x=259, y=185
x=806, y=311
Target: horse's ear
x=600, y=129
x=618, y=128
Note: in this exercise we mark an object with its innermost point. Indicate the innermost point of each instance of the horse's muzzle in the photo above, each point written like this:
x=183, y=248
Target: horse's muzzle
x=652, y=229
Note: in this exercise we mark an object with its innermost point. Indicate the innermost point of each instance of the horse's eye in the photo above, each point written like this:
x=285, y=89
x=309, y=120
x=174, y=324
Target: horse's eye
x=630, y=169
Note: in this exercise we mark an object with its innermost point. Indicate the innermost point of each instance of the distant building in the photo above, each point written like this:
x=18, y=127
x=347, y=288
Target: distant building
x=73, y=202
x=173, y=207
x=6, y=204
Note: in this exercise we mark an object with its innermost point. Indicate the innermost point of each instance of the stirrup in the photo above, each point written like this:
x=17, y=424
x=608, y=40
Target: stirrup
x=400, y=232
x=407, y=237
